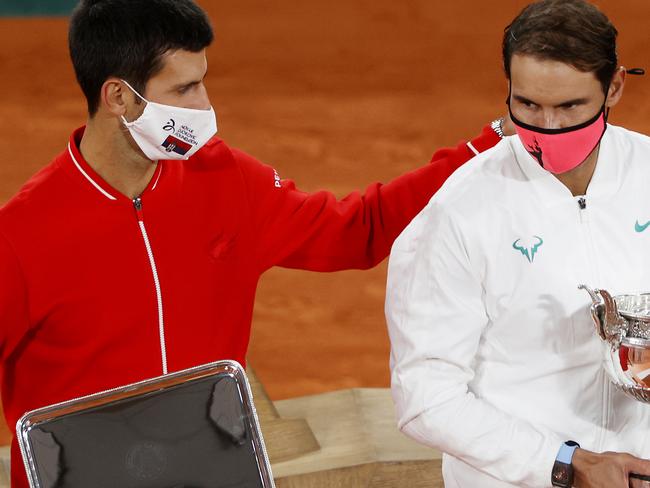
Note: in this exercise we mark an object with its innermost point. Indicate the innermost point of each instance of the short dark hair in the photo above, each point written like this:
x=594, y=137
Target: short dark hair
x=127, y=39
x=574, y=32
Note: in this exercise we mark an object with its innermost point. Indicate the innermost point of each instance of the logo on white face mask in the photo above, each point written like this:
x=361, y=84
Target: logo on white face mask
x=535, y=151
x=177, y=146
x=181, y=142
x=190, y=130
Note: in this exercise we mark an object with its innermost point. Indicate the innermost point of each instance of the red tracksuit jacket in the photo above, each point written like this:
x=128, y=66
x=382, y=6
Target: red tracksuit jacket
x=98, y=291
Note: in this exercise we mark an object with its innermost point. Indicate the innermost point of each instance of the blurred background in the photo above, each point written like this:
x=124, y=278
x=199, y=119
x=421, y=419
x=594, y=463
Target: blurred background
x=335, y=94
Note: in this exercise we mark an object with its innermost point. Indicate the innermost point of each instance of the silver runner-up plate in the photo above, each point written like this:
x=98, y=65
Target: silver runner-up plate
x=196, y=428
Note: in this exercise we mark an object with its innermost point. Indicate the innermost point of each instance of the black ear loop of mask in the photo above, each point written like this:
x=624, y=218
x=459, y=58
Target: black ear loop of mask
x=603, y=109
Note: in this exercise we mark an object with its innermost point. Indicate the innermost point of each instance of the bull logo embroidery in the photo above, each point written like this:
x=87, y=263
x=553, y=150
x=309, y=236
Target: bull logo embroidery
x=528, y=251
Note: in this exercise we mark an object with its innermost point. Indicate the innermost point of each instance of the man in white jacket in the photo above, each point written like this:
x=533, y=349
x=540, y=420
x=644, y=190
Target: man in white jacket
x=494, y=357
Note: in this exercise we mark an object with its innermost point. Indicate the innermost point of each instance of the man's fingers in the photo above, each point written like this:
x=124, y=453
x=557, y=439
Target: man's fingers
x=636, y=465
x=636, y=483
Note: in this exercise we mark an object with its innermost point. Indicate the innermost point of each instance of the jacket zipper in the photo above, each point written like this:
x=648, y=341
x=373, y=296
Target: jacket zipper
x=137, y=203
x=584, y=220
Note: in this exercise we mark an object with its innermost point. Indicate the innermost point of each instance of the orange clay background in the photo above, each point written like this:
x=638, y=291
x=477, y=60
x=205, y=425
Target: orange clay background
x=335, y=94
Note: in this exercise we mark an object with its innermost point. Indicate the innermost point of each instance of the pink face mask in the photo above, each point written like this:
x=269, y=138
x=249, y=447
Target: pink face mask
x=561, y=150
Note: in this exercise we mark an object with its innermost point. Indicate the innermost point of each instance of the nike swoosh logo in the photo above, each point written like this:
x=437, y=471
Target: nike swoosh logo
x=640, y=228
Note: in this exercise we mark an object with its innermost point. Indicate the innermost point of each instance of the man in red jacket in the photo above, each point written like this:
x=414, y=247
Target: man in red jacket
x=137, y=251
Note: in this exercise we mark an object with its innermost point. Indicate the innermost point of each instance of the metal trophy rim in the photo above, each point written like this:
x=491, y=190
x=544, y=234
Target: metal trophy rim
x=636, y=342
x=631, y=315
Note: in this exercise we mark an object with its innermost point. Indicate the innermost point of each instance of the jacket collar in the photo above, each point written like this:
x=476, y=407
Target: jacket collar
x=92, y=179
x=606, y=180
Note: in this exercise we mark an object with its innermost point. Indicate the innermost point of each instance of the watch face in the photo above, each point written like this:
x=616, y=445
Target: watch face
x=561, y=475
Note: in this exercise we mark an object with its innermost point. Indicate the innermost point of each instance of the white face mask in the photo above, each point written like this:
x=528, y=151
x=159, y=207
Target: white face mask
x=168, y=132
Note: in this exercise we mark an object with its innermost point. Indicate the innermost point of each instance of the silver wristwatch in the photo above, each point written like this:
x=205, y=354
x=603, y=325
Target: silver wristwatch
x=497, y=126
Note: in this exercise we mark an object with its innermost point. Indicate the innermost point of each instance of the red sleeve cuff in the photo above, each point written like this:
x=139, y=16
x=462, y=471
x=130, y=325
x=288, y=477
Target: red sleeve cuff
x=487, y=139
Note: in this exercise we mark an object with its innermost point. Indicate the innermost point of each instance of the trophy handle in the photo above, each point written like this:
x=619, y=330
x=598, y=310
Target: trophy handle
x=615, y=326
x=611, y=327
x=598, y=309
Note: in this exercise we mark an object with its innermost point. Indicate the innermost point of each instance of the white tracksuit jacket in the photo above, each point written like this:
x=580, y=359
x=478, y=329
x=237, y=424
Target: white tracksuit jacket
x=495, y=360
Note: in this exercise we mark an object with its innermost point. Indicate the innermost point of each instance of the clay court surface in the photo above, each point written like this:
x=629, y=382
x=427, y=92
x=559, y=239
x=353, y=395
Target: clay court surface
x=334, y=94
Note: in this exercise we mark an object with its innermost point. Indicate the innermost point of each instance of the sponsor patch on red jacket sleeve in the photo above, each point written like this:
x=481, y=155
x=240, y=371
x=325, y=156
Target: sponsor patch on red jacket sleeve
x=277, y=180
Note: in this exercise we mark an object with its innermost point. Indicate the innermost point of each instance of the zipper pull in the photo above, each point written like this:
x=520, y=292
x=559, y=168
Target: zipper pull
x=582, y=213
x=137, y=203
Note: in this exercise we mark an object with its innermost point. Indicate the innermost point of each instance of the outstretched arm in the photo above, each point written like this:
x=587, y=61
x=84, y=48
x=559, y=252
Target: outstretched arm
x=315, y=231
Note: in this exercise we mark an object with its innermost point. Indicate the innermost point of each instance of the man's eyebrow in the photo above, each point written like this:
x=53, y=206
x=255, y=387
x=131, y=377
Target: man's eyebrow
x=190, y=84
x=575, y=101
x=521, y=99
x=183, y=86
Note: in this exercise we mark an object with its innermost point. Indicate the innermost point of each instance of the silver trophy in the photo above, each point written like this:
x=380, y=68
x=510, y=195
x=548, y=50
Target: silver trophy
x=623, y=322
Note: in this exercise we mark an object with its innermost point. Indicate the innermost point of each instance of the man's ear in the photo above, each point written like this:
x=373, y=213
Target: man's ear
x=616, y=88
x=114, y=97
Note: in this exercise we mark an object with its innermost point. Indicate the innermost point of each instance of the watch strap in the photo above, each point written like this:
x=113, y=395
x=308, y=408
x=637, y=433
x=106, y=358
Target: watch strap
x=562, y=474
x=565, y=454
